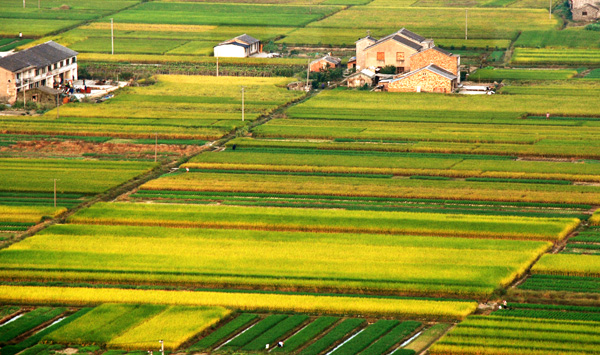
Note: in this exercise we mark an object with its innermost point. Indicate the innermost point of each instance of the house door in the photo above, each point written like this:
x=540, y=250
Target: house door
x=418, y=89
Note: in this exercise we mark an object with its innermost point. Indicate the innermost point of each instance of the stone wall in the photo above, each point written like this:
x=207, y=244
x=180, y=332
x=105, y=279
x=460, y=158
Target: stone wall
x=426, y=80
x=432, y=56
x=8, y=90
x=585, y=13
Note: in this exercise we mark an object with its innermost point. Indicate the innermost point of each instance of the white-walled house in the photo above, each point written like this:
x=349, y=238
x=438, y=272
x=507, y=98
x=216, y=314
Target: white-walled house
x=47, y=64
x=238, y=47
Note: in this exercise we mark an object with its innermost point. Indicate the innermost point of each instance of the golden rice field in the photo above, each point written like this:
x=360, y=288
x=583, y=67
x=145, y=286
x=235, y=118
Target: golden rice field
x=329, y=262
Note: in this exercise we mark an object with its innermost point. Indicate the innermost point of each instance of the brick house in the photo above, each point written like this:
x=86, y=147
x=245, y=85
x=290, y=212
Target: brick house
x=431, y=78
x=48, y=64
x=395, y=49
x=327, y=62
x=585, y=10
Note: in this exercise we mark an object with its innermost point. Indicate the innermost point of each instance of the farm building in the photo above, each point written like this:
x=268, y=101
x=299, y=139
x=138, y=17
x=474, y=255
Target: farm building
x=327, y=62
x=361, y=78
x=48, y=64
x=431, y=78
x=352, y=63
x=405, y=50
x=41, y=95
x=585, y=10
x=238, y=47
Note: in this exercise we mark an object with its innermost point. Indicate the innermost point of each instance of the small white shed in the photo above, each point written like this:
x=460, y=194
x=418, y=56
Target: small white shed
x=238, y=47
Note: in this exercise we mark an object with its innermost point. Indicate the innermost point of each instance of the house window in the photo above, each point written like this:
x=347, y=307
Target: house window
x=399, y=56
x=584, y=13
x=381, y=56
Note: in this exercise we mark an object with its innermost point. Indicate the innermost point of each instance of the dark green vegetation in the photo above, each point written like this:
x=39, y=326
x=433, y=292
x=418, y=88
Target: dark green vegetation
x=224, y=332
x=28, y=321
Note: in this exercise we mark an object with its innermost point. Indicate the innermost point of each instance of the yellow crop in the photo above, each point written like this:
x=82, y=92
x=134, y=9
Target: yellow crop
x=244, y=301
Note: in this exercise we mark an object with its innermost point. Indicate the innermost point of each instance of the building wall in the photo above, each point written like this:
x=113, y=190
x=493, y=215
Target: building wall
x=360, y=46
x=431, y=56
x=39, y=97
x=230, y=51
x=585, y=13
x=8, y=89
x=321, y=65
x=390, y=49
x=426, y=80
x=359, y=80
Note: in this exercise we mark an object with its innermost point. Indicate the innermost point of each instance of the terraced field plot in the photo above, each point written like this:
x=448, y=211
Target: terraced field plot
x=27, y=197
x=209, y=109
x=164, y=261
x=346, y=26
x=551, y=56
x=439, y=123
x=522, y=332
x=53, y=15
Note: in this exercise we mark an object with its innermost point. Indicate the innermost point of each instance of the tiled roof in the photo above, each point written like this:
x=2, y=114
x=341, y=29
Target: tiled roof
x=412, y=35
x=37, y=57
x=399, y=39
x=329, y=59
x=233, y=44
x=247, y=39
x=367, y=37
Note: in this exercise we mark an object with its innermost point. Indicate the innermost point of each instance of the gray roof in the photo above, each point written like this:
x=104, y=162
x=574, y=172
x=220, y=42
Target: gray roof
x=399, y=39
x=47, y=90
x=367, y=37
x=330, y=59
x=412, y=35
x=432, y=68
x=39, y=56
x=249, y=40
x=441, y=51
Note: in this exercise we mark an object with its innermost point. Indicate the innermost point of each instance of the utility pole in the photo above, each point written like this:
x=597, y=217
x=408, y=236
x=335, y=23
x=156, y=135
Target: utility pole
x=23, y=3
x=24, y=96
x=217, y=66
x=467, y=23
x=54, y=193
x=39, y=4
x=155, y=147
x=549, y=9
x=57, y=105
x=307, y=76
x=112, y=37
x=162, y=347
x=243, y=103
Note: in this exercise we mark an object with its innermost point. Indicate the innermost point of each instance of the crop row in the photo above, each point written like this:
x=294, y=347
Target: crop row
x=351, y=187
x=243, y=301
x=224, y=332
x=503, y=335
x=276, y=201
x=134, y=326
x=540, y=282
x=34, y=339
x=355, y=163
x=294, y=219
x=550, y=56
x=377, y=264
x=28, y=322
x=568, y=265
